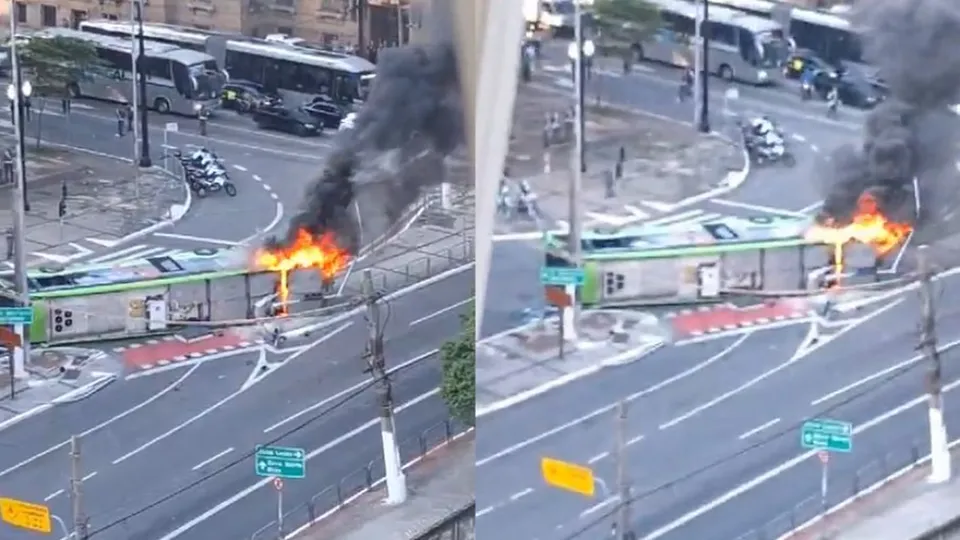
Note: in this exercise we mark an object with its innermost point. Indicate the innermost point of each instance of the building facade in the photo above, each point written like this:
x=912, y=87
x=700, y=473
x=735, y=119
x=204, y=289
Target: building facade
x=330, y=22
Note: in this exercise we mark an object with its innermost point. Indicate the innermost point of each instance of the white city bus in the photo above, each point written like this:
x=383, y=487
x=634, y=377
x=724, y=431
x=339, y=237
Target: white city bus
x=295, y=72
x=179, y=81
x=829, y=35
x=743, y=47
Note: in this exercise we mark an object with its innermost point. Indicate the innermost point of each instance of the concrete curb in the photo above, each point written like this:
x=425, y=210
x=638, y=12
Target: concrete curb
x=375, y=485
x=176, y=211
x=72, y=396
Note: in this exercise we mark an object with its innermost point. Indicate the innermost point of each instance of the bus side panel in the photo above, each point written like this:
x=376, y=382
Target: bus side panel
x=38, y=330
x=188, y=301
x=590, y=292
x=228, y=298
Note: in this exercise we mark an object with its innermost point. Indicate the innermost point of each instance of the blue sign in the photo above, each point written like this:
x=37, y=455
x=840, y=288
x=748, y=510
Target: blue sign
x=16, y=315
x=559, y=275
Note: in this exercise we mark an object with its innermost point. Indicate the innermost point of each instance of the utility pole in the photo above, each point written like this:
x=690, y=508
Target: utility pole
x=141, y=78
x=361, y=7
x=622, y=480
x=939, y=449
x=134, y=62
x=377, y=367
x=705, y=70
x=21, y=355
x=571, y=321
x=76, y=490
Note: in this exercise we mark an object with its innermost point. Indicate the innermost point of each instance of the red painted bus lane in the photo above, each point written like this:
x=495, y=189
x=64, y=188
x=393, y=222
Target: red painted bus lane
x=170, y=349
x=693, y=323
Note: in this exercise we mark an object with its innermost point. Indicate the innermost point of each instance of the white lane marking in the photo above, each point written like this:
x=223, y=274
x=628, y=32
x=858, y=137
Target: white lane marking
x=810, y=207
x=240, y=168
x=102, y=242
x=635, y=440
x=674, y=218
x=257, y=178
x=614, y=219
x=783, y=467
x=597, y=458
x=192, y=238
x=520, y=494
x=277, y=216
x=53, y=495
x=881, y=374
x=638, y=213
x=184, y=363
x=524, y=236
x=172, y=386
x=484, y=511
x=797, y=137
x=88, y=476
x=758, y=429
x=600, y=506
x=441, y=311
x=606, y=409
x=759, y=208
x=345, y=392
x=800, y=355
x=226, y=503
x=211, y=459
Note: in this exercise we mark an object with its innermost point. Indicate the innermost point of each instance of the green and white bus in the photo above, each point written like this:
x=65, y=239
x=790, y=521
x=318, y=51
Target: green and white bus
x=179, y=81
x=688, y=263
x=142, y=297
x=743, y=47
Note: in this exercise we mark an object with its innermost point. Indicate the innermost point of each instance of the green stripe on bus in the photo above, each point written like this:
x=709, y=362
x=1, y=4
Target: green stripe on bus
x=693, y=251
x=135, y=285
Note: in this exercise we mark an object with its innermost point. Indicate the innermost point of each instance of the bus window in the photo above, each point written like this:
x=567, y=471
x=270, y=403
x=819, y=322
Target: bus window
x=722, y=33
x=749, y=50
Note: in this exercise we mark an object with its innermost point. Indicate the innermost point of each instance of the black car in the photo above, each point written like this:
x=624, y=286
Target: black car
x=243, y=96
x=804, y=59
x=852, y=89
x=294, y=121
x=327, y=112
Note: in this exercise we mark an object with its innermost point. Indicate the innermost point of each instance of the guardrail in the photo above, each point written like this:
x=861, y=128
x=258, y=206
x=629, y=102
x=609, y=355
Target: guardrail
x=357, y=482
x=865, y=480
x=458, y=526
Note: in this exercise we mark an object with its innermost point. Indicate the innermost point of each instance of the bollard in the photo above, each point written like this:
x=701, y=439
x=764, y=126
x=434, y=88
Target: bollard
x=610, y=184
x=618, y=170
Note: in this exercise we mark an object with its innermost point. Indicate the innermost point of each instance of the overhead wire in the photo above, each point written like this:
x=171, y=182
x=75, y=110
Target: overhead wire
x=730, y=457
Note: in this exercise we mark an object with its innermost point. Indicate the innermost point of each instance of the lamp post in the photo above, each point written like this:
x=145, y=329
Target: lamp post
x=140, y=94
x=704, y=124
x=17, y=91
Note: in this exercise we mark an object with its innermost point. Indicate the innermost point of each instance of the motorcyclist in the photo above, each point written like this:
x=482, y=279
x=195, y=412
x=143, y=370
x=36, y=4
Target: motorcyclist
x=686, y=85
x=806, y=82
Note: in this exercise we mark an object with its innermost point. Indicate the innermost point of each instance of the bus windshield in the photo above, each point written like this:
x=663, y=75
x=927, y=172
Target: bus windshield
x=773, y=47
x=207, y=80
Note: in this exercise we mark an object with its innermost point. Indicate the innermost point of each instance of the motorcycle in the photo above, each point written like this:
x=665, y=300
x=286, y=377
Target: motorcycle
x=771, y=151
x=206, y=173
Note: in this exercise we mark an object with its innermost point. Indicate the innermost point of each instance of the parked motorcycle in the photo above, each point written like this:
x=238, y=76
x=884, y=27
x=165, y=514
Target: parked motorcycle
x=206, y=173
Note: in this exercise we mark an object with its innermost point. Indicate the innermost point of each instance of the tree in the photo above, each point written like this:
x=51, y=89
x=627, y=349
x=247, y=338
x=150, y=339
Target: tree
x=54, y=64
x=459, y=359
x=625, y=23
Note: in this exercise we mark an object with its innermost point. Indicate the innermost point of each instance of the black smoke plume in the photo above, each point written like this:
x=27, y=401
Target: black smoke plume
x=912, y=134
x=411, y=121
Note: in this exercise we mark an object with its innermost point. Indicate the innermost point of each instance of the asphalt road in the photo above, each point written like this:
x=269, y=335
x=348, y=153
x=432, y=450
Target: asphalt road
x=693, y=407
x=149, y=437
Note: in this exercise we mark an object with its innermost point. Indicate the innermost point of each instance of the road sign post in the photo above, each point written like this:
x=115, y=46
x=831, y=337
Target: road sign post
x=278, y=485
x=26, y=515
x=568, y=476
x=827, y=434
x=558, y=297
x=824, y=479
x=280, y=462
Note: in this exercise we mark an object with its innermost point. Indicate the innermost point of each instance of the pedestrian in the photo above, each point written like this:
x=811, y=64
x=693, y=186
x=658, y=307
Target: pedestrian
x=26, y=107
x=121, y=117
x=129, y=111
x=65, y=105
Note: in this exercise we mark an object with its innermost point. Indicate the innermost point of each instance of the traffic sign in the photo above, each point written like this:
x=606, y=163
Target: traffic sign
x=26, y=515
x=562, y=275
x=827, y=434
x=9, y=338
x=280, y=462
x=16, y=315
x=568, y=476
x=172, y=127
x=278, y=484
x=824, y=456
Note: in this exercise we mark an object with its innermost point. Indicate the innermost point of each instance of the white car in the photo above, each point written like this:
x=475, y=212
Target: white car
x=347, y=122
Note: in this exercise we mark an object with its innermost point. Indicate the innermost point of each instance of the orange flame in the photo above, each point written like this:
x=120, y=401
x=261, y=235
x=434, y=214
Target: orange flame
x=306, y=252
x=869, y=226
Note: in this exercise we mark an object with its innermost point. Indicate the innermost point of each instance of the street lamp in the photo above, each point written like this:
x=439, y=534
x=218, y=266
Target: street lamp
x=704, y=125
x=26, y=89
x=580, y=59
x=140, y=80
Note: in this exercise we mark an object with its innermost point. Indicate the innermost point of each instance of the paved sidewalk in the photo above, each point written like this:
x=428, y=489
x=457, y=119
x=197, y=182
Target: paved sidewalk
x=517, y=362
x=104, y=203
x=439, y=485
x=904, y=508
x=56, y=375
x=666, y=162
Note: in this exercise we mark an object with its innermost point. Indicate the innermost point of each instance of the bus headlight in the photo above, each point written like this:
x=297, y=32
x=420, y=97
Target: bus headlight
x=763, y=75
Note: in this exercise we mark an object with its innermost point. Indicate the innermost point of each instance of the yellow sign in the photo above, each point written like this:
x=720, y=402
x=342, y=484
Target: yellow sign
x=33, y=517
x=569, y=476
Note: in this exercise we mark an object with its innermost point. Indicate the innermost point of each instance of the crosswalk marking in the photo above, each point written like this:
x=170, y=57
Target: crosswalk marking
x=614, y=220
x=103, y=242
x=674, y=218
x=638, y=213
x=132, y=253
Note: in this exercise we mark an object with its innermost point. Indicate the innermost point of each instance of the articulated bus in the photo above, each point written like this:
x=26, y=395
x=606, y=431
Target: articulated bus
x=692, y=262
x=180, y=81
x=742, y=47
x=298, y=73
x=146, y=296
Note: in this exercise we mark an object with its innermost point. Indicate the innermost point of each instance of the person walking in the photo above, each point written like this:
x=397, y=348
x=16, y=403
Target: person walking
x=121, y=118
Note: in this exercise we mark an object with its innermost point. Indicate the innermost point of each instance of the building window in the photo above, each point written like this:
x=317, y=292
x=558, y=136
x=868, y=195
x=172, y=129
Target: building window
x=76, y=17
x=21, y=12
x=285, y=3
x=48, y=15
x=285, y=30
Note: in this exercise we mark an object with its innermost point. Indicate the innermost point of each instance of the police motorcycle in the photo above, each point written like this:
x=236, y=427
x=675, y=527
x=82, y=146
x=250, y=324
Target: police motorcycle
x=765, y=142
x=205, y=173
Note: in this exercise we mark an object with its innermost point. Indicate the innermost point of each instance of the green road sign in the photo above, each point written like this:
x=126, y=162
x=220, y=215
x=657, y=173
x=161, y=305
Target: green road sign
x=562, y=275
x=16, y=315
x=826, y=434
x=280, y=462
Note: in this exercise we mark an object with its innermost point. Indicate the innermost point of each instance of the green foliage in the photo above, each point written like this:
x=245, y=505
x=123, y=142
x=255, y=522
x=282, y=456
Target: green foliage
x=459, y=359
x=52, y=63
x=625, y=22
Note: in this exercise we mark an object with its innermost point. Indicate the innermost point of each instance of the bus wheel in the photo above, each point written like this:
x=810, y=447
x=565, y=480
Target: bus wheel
x=726, y=72
x=161, y=105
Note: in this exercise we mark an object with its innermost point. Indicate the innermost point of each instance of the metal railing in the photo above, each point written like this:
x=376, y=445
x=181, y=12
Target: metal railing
x=866, y=479
x=357, y=482
x=458, y=526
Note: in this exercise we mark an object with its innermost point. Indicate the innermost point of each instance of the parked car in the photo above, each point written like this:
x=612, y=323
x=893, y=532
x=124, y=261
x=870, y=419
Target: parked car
x=295, y=121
